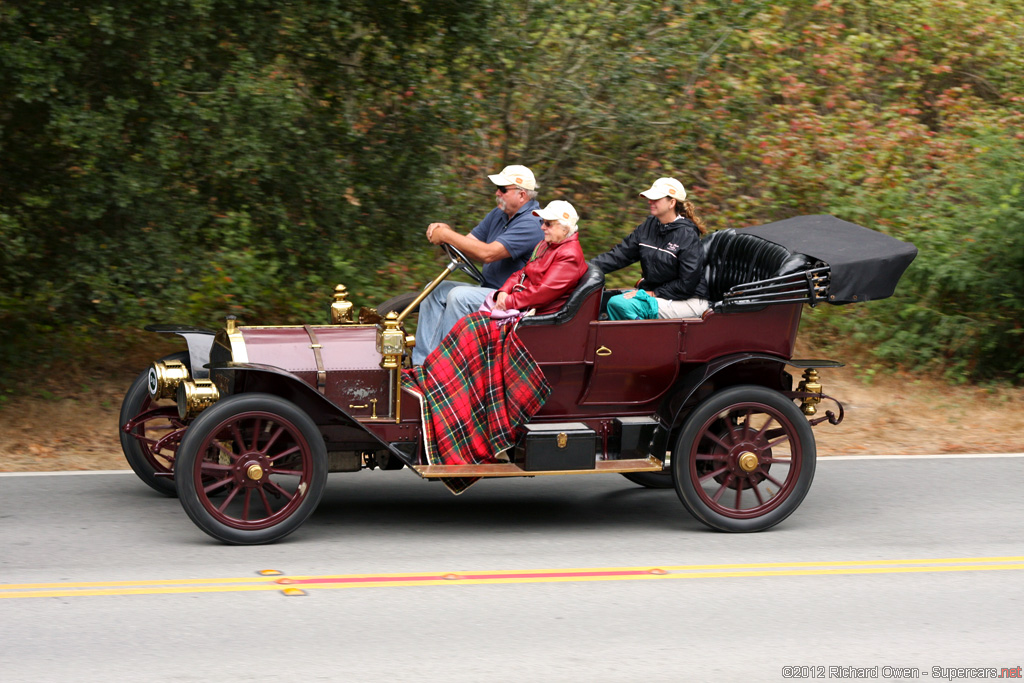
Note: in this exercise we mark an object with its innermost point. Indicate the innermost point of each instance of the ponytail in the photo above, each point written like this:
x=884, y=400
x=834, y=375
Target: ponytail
x=690, y=211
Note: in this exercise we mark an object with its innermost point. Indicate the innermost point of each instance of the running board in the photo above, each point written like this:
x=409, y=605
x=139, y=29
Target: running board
x=648, y=464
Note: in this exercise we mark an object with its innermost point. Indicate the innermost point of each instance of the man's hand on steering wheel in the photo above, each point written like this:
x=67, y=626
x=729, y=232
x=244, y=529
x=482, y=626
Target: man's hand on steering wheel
x=435, y=231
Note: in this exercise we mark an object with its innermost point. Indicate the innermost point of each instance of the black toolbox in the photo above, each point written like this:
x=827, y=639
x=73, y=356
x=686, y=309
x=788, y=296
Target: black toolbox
x=557, y=446
x=635, y=437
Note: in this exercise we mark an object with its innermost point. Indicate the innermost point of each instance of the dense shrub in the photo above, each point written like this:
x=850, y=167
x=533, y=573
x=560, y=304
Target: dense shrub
x=180, y=160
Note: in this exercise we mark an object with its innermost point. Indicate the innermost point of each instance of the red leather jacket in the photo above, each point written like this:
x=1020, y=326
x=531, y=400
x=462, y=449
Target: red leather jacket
x=548, y=278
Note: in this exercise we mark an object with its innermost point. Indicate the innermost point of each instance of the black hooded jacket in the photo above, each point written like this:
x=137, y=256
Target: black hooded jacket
x=670, y=257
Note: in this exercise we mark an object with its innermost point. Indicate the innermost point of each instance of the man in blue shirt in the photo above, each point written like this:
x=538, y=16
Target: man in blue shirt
x=502, y=241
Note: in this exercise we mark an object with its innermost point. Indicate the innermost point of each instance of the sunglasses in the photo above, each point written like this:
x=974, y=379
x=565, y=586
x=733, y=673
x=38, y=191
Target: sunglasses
x=503, y=190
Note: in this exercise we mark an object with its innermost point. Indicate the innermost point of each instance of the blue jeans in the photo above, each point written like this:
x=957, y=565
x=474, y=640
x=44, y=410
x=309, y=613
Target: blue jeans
x=439, y=312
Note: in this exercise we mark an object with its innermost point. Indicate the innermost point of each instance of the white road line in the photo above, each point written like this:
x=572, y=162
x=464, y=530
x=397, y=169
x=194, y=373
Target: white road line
x=62, y=474
x=824, y=458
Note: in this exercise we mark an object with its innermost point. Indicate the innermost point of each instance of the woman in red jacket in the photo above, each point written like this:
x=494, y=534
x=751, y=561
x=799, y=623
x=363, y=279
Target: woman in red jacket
x=481, y=383
x=554, y=268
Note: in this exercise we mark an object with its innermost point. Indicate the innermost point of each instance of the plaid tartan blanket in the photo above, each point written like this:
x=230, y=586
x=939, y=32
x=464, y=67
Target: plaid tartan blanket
x=475, y=389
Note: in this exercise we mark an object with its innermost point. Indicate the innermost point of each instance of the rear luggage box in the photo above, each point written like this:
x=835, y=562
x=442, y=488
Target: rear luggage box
x=636, y=436
x=557, y=446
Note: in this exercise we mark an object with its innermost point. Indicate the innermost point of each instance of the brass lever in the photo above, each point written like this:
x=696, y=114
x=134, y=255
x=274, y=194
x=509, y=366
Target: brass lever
x=373, y=402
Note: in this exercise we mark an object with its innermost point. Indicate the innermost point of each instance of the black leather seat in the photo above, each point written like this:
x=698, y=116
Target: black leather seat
x=733, y=258
x=592, y=281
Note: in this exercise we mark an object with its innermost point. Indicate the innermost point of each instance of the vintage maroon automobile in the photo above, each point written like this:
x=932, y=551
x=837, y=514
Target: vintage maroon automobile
x=245, y=425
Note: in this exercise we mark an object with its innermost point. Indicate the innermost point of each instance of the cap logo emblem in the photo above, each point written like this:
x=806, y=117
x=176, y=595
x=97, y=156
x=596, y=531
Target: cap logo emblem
x=519, y=181
x=671, y=190
x=565, y=214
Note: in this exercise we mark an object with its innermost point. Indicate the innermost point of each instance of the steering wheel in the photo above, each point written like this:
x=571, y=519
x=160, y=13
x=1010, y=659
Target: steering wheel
x=463, y=263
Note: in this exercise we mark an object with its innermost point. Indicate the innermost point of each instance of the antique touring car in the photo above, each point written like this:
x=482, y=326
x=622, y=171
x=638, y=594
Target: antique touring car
x=245, y=425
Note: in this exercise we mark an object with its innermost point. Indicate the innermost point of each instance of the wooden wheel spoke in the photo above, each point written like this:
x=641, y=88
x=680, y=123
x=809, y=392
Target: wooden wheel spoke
x=220, y=483
x=227, y=501
x=714, y=474
x=781, y=439
x=280, y=455
x=237, y=435
x=719, y=457
x=287, y=473
x=721, y=489
x=774, y=480
x=266, y=502
x=273, y=439
x=739, y=491
x=757, y=494
x=280, y=491
x=228, y=452
x=761, y=433
x=245, y=504
x=745, y=432
x=256, y=435
x=716, y=439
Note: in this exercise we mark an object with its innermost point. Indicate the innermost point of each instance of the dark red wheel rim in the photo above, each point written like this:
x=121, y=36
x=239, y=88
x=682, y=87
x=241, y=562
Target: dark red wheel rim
x=254, y=470
x=158, y=429
x=746, y=460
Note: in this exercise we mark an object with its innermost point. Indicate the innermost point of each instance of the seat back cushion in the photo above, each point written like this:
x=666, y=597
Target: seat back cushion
x=592, y=281
x=732, y=258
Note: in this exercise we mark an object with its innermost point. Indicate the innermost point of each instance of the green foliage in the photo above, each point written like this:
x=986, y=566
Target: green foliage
x=178, y=160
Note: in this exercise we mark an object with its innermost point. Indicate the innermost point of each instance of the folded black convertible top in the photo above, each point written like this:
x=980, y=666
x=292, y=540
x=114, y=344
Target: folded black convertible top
x=865, y=264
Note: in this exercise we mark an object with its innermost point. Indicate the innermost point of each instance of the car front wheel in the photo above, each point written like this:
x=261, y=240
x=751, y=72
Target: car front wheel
x=150, y=431
x=744, y=460
x=251, y=469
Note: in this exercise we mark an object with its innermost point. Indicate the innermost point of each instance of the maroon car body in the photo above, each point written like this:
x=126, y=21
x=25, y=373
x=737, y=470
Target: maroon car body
x=258, y=415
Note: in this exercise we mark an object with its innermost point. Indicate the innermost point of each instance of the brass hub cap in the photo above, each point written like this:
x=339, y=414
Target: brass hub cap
x=747, y=461
x=254, y=472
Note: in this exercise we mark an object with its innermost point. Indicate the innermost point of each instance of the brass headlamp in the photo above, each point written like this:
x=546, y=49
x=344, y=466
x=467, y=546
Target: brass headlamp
x=164, y=378
x=195, y=396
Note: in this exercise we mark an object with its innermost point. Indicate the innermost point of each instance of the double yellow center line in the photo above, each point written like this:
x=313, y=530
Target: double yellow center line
x=273, y=580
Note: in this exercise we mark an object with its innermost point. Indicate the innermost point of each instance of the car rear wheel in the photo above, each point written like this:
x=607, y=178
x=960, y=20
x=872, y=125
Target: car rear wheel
x=150, y=432
x=744, y=460
x=251, y=469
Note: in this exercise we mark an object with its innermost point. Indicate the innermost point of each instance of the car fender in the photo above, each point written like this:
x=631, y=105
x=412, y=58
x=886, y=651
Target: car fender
x=692, y=386
x=199, y=340
x=292, y=388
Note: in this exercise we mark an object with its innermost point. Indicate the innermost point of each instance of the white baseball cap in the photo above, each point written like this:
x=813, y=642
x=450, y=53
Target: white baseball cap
x=515, y=175
x=559, y=210
x=666, y=187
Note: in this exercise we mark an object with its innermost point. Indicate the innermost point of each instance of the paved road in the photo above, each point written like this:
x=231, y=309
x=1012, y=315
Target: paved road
x=548, y=580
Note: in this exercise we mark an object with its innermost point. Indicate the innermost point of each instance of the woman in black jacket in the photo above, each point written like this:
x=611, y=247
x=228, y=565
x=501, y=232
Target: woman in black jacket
x=667, y=245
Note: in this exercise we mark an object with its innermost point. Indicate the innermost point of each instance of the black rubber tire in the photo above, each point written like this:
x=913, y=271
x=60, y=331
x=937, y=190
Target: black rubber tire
x=196, y=476
x=651, y=480
x=709, y=418
x=134, y=400
x=398, y=304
